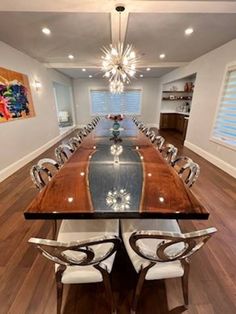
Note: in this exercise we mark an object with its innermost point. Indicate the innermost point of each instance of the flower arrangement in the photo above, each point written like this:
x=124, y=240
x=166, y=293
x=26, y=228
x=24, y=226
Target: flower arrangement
x=118, y=117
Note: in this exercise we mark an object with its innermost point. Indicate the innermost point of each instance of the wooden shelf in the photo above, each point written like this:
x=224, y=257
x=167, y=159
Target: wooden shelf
x=176, y=91
x=183, y=99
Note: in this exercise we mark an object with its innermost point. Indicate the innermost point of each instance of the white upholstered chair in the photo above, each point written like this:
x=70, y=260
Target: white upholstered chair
x=158, y=250
x=83, y=253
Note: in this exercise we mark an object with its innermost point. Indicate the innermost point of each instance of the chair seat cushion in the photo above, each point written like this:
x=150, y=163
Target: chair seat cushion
x=78, y=230
x=161, y=270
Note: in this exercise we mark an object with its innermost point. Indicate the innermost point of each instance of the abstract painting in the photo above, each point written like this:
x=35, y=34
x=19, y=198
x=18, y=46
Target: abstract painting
x=15, y=96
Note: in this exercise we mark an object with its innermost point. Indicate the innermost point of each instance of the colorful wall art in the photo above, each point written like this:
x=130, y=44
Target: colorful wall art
x=15, y=96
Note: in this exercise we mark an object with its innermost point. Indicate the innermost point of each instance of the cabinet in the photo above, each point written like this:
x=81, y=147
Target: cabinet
x=174, y=121
x=180, y=122
x=168, y=121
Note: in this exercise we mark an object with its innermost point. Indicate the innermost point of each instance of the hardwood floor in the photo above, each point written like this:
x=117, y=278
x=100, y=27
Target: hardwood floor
x=27, y=280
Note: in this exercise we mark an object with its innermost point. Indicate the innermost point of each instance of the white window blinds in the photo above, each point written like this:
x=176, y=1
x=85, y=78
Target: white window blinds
x=103, y=102
x=225, y=124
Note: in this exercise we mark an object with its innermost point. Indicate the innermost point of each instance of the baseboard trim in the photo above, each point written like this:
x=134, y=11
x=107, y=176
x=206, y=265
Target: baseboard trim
x=213, y=159
x=8, y=171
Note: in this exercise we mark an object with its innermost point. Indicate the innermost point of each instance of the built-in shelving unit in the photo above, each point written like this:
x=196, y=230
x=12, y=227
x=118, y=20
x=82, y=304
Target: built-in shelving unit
x=176, y=104
x=176, y=91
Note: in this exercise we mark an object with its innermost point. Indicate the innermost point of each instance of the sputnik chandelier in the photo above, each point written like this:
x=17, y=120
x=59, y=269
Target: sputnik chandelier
x=119, y=62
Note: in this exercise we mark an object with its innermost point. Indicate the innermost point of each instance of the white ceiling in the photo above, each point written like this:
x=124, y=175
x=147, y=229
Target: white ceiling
x=82, y=27
x=155, y=33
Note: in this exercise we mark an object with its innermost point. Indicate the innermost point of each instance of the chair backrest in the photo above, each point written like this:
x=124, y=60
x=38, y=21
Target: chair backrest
x=140, y=125
x=151, y=135
x=43, y=172
x=83, y=253
x=159, y=141
x=74, y=142
x=63, y=152
x=170, y=246
x=187, y=169
x=169, y=153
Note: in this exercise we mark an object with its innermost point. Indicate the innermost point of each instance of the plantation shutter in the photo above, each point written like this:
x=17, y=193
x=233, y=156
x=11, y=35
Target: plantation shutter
x=103, y=102
x=225, y=124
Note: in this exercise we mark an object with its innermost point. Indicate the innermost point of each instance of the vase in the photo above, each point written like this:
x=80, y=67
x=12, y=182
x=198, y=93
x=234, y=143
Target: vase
x=116, y=126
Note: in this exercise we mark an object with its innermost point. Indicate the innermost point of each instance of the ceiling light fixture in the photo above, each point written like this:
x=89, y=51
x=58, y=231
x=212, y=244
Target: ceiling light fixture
x=189, y=31
x=84, y=70
x=148, y=69
x=46, y=31
x=162, y=56
x=71, y=57
x=119, y=62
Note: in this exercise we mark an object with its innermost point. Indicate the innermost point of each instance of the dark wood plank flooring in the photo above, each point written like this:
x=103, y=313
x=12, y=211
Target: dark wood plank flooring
x=27, y=280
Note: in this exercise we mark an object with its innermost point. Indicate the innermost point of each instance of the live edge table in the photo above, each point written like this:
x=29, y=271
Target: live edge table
x=94, y=184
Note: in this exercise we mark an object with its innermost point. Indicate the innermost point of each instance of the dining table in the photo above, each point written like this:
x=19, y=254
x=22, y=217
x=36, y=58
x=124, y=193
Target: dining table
x=110, y=177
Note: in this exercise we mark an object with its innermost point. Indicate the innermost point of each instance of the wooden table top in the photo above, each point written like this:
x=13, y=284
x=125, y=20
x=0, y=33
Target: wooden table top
x=92, y=185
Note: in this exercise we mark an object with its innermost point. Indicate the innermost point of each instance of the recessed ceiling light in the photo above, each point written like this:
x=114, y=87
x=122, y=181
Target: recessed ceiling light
x=189, y=31
x=148, y=69
x=162, y=56
x=71, y=57
x=46, y=31
x=84, y=70
x=90, y=76
x=141, y=75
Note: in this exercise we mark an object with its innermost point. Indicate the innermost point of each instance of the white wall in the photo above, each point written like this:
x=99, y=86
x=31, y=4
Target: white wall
x=150, y=93
x=210, y=70
x=21, y=137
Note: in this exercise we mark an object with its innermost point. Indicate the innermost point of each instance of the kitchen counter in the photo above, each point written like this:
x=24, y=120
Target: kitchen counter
x=177, y=112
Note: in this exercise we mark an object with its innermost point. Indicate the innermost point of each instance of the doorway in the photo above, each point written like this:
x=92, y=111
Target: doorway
x=64, y=104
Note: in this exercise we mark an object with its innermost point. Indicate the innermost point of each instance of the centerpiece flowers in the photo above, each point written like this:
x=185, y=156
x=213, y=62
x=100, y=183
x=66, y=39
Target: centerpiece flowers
x=117, y=117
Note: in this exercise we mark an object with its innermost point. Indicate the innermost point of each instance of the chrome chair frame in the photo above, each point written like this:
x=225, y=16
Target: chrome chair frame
x=192, y=241
x=74, y=143
x=192, y=167
x=159, y=141
x=56, y=252
x=63, y=151
x=36, y=170
x=169, y=153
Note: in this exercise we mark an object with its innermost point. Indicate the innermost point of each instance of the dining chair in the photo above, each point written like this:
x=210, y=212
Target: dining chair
x=151, y=135
x=79, y=137
x=83, y=253
x=63, y=152
x=169, y=152
x=159, y=250
x=187, y=169
x=43, y=172
x=159, y=141
x=90, y=126
x=74, y=142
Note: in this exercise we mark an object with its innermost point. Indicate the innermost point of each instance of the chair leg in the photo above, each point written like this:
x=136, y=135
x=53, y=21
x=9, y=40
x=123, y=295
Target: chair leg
x=54, y=229
x=138, y=289
x=107, y=284
x=184, y=279
x=59, y=296
x=59, y=286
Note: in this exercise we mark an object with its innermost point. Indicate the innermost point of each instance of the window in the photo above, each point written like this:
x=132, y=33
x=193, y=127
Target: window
x=224, y=130
x=103, y=102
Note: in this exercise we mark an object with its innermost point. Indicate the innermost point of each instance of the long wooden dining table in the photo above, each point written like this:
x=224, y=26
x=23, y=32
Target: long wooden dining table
x=94, y=183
